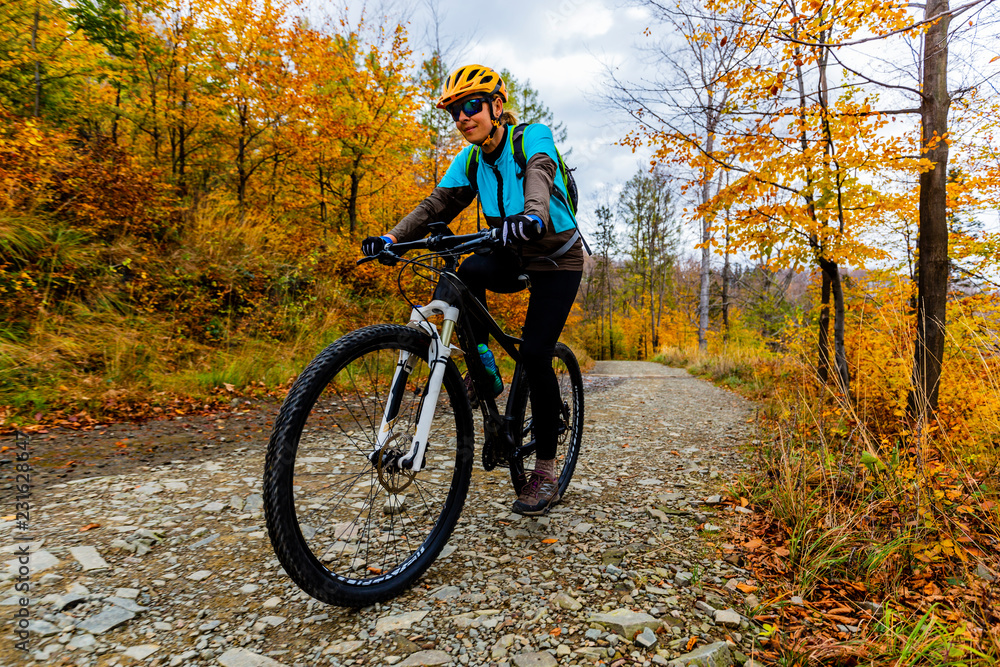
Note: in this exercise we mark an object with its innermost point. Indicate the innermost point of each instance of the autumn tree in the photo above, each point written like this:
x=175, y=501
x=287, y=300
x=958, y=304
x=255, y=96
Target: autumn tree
x=819, y=35
x=381, y=116
x=645, y=210
x=683, y=92
x=45, y=60
x=247, y=42
x=445, y=140
x=606, y=243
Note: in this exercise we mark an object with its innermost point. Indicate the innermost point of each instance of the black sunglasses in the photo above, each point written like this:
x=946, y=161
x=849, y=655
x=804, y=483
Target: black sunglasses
x=469, y=107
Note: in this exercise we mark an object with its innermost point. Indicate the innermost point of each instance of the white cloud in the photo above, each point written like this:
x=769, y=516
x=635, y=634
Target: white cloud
x=572, y=20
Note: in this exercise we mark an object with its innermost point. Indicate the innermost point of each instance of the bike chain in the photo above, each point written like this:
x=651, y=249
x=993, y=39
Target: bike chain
x=493, y=456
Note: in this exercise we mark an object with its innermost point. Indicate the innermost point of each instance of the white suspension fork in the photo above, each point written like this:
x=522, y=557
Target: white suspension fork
x=438, y=354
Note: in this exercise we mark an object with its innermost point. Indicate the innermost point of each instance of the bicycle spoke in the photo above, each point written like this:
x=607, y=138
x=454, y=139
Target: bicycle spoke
x=364, y=518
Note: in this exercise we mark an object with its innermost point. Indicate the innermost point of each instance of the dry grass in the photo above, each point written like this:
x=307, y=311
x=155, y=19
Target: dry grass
x=851, y=491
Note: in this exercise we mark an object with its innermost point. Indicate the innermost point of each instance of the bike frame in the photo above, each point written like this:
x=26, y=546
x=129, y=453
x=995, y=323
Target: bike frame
x=458, y=306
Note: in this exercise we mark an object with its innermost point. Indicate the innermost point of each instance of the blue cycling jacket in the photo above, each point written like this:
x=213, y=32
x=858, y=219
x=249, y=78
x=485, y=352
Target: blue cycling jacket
x=502, y=194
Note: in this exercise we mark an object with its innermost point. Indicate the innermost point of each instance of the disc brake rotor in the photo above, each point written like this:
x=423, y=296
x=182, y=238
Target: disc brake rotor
x=391, y=476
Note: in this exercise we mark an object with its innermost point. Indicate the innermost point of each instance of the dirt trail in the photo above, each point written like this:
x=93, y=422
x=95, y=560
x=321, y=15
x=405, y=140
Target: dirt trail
x=179, y=571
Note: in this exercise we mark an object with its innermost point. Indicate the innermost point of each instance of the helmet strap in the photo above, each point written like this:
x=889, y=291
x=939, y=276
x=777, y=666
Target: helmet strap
x=493, y=121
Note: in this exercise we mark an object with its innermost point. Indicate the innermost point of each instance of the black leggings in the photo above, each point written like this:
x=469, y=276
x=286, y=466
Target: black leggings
x=551, y=298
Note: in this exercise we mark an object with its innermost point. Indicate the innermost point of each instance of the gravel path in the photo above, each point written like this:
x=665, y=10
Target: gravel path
x=180, y=571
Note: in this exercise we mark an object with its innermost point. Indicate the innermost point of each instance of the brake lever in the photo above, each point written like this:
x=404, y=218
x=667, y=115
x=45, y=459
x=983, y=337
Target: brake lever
x=384, y=257
x=387, y=258
x=490, y=242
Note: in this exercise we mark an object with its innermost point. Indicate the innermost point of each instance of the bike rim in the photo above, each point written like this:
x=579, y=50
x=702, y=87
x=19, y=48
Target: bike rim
x=567, y=434
x=360, y=515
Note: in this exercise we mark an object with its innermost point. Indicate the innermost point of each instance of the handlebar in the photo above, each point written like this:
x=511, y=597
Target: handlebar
x=446, y=243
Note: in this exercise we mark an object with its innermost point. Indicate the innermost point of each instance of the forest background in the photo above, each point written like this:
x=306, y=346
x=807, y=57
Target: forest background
x=184, y=185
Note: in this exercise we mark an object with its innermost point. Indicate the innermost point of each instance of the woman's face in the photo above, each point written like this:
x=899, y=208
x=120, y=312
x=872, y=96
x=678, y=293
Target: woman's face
x=475, y=127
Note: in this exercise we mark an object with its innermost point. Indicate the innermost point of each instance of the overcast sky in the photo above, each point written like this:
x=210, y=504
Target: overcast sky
x=562, y=48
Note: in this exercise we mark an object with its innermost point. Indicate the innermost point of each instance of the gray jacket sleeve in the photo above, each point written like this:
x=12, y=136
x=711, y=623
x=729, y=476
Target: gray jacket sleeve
x=539, y=176
x=441, y=205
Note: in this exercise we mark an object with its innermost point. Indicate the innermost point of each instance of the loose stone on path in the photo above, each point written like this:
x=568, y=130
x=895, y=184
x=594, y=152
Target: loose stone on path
x=40, y=561
x=728, y=618
x=398, y=622
x=195, y=576
x=141, y=652
x=426, y=659
x=111, y=617
x=625, y=622
x=567, y=602
x=711, y=655
x=535, y=659
x=240, y=657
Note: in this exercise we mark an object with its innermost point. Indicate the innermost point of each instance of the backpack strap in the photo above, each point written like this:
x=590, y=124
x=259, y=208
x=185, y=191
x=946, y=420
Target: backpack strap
x=517, y=149
x=565, y=247
x=472, y=168
x=472, y=174
x=516, y=138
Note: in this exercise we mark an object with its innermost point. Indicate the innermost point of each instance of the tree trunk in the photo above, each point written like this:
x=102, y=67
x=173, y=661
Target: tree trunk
x=322, y=198
x=932, y=244
x=352, y=202
x=611, y=326
x=600, y=324
x=182, y=134
x=840, y=352
x=706, y=237
x=155, y=134
x=241, y=171
x=725, y=290
x=114, y=116
x=823, y=365
x=38, y=65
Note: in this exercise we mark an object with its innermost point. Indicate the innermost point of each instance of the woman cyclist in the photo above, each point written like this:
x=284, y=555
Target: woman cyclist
x=540, y=237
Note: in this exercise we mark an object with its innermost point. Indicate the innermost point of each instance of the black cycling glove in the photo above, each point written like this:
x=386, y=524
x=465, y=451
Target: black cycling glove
x=373, y=245
x=520, y=228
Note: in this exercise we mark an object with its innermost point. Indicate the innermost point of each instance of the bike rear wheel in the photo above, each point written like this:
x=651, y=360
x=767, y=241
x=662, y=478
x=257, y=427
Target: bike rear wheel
x=570, y=432
x=349, y=525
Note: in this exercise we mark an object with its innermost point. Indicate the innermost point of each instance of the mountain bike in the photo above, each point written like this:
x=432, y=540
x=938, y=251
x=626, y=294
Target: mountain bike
x=370, y=458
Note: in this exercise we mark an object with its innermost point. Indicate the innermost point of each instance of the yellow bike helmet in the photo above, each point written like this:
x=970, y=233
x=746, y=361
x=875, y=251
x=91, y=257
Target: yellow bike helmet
x=471, y=79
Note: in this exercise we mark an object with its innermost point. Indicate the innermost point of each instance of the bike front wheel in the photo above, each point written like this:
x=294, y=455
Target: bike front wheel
x=349, y=524
x=570, y=428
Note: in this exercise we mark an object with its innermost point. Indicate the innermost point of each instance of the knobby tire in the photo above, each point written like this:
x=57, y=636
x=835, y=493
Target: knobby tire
x=327, y=424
